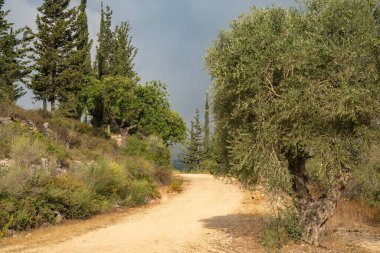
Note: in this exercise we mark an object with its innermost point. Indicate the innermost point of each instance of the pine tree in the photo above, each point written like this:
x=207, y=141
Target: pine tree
x=192, y=156
x=13, y=51
x=125, y=52
x=106, y=45
x=54, y=45
x=198, y=138
x=206, y=129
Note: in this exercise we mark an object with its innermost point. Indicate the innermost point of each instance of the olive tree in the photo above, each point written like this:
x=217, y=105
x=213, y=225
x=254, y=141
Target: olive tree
x=296, y=100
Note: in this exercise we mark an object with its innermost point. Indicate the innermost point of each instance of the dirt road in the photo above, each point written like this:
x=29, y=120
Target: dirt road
x=174, y=226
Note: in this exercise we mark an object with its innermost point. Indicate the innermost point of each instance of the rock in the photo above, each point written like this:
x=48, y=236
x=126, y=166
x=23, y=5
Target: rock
x=4, y=165
x=5, y=121
x=46, y=129
x=45, y=164
x=30, y=124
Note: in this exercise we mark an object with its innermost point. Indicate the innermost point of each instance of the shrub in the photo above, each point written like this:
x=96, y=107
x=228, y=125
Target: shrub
x=176, y=184
x=6, y=219
x=27, y=151
x=139, y=168
x=152, y=148
x=104, y=177
x=139, y=192
x=162, y=175
x=7, y=134
x=286, y=227
x=209, y=165
x=158, y=152
x=71, y=198
x=136, y=146
x=13, y=181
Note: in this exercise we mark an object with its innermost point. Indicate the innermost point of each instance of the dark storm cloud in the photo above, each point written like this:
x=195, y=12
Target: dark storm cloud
x=172, y=36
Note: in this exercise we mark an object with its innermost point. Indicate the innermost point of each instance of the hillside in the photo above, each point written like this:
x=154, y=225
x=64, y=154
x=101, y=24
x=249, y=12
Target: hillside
x=53, y=168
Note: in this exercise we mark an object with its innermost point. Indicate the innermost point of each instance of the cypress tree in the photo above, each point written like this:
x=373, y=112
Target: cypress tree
x=192, y=155
x=198, y=138
x=84, y=43
x=206, y=129
x=125, y=52
x=13, y=49
x=106, y=45
x=54, y=45
x=78, y=65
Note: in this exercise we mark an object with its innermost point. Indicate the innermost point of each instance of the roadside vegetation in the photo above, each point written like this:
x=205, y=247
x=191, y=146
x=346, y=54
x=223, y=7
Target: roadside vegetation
x=102, y=139
x=74, y=173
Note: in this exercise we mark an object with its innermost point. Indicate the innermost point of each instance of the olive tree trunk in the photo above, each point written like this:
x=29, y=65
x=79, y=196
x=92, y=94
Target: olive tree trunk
x=314, y=210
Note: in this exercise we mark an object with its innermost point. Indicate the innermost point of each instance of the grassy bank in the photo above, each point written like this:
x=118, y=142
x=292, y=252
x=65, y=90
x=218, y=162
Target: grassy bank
x=73, y=171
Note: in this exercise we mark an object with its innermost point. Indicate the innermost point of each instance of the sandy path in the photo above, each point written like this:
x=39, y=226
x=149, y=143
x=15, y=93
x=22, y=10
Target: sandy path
x=175, y=226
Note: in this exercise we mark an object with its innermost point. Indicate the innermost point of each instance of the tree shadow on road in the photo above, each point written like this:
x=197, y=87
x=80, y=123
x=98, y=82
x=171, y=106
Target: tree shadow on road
x=238, y=232
x=238, y=224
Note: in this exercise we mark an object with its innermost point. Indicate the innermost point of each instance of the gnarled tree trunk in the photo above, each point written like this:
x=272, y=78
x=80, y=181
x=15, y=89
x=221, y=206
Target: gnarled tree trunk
x=125, y=134
x=314, y=211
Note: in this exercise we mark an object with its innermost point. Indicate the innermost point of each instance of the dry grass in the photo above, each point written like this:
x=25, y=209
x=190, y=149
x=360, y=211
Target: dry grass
x=354, y=213
x=176, y=184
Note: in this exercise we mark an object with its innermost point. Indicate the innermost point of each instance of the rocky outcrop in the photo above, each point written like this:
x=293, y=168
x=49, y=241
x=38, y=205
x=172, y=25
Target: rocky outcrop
x=29, y=124
x=46, y=130
x=4, y=165
x=5, y=121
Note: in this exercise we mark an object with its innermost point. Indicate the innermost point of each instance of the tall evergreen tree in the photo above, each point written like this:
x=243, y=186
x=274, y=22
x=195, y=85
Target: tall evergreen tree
x=125, y=52
x=54, y=47
x=106, y=45
x=206, y=129
x=192, y=156
x=13, y=50
x=78, y=65
x=84, y=42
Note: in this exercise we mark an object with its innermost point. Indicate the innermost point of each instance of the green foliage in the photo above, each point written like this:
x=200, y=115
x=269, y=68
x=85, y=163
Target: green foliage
x=286, y=227
x=105, y=49
x=54, y=51
x=206, y=129
x=124, y=52
x=209, y=165
x=128, y=106
x=105, y=178
x=155, y=115
x=137, y=146
x=158, y=152
x=13, y=51
x=78, y=65
x=290, y=84
x=152, y=148
x=296, y=98
x=26, y=150
x=6, y=219
x=7, y=134
x=33, y=197
x=193, y=153
x=176, y=185
x=139, y=192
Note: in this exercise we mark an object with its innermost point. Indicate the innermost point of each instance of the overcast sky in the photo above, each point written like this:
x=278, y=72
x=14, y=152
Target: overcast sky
x=171, y=35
